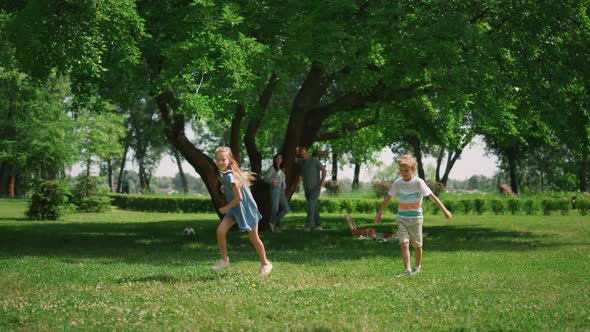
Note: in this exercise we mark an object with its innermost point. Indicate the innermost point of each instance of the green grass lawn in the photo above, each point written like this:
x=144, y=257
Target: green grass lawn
x=136, y=271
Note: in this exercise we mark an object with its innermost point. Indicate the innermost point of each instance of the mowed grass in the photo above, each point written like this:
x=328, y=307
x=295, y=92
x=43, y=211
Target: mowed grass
x=136, y=271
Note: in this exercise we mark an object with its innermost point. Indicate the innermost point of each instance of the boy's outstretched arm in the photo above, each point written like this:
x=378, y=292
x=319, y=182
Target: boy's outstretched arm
x=448, y=214
x=379, y=215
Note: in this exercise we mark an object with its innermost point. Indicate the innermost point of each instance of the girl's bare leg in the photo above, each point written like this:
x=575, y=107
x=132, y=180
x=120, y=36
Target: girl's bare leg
x=258, y=245
x=222, y=229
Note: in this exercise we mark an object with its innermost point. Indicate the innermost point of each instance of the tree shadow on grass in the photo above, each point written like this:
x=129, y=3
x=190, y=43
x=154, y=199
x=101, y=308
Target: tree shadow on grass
x=162, y=242
x=13, y=219
x=156, y=242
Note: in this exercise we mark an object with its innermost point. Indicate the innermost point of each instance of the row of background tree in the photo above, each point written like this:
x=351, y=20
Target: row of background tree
x=93, y=81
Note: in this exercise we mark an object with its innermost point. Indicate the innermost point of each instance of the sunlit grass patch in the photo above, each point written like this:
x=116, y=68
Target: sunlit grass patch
x=136, y=271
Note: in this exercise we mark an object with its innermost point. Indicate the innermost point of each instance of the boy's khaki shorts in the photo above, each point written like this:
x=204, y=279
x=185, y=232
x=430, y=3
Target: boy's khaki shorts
x=410, y=230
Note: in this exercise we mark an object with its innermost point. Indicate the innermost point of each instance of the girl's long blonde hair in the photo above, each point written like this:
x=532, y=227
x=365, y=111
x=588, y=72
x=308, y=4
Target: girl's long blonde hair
x=242, y=177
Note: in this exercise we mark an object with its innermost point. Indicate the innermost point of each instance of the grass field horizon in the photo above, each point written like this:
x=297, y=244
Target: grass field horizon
x=125, y=270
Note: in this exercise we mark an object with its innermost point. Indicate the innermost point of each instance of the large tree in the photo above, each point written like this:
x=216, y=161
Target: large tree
x=218, y=61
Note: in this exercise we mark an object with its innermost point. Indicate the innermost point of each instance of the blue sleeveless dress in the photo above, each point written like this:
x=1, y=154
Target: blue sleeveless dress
x=246, y=213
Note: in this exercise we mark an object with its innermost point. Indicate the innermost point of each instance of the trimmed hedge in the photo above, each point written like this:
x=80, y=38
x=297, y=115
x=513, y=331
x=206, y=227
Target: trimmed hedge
x=477, y=205
x=197, y=204
x=582, y=204
x=163, y=203
x=497, y=205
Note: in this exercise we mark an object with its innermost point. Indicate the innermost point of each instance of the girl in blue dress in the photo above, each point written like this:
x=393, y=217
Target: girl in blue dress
x=241, y=209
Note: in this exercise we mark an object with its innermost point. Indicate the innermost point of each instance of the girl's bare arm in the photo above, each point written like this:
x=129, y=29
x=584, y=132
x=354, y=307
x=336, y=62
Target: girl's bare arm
x=237, y=199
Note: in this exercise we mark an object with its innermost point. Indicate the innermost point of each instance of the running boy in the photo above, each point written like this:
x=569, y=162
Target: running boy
x=410, y=190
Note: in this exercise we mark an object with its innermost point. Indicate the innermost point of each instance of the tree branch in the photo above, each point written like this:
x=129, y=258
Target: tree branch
x=250, y=136
x=344, y=131
x=355, y=100
x=234, y=133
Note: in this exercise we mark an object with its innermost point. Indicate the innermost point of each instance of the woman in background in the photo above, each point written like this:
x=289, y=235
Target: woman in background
x=279, y=205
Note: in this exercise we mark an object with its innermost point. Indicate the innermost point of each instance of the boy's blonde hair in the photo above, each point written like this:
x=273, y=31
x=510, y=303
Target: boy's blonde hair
x=242, y=177
x=408, y=160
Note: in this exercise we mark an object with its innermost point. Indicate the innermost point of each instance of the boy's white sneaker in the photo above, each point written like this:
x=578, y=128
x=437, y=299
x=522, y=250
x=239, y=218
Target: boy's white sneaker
x=222, y=264
x=273, y=228
x=265, y=269
x=405, y=273
x=416, y=269
x=307, y=229
x=319, y=228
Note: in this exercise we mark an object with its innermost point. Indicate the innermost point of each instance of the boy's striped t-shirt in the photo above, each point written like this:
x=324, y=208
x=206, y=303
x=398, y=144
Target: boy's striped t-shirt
x=410, y=195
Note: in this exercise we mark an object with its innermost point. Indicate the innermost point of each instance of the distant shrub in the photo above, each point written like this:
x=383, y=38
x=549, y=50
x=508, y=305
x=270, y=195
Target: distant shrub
x=583, y=205
x=466, y=205
x=90, y=195
x=479, y=205
x=428, y=206
x=530, y=206
x=547, y=205
x=50, y=200
x=513, y=205
x=370, y=205
x=497, y=205
x=563, y=205
x=450, y=204
x=329, y=206
x=381, y=188
x=392, y=206
x=436, y=187
x=334, y=187
x=299, y=205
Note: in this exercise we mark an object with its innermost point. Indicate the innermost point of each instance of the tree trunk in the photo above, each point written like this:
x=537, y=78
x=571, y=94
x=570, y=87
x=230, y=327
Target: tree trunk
x=512, y=171
x=308, y=96
x=110, y=173
x=180, y=170
x=234, y=133
x=250, y=142
x=4, y=180
x=451, y=160
x=203, y=164
x=583, y=171
x=88, y=164
x=254, y=123
x=11, y=186
x=143, y=181
x=417, y=146
x=334, y=165
x=7, y=179
x=357, y=172
x=439, y=159
x=122, y=169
